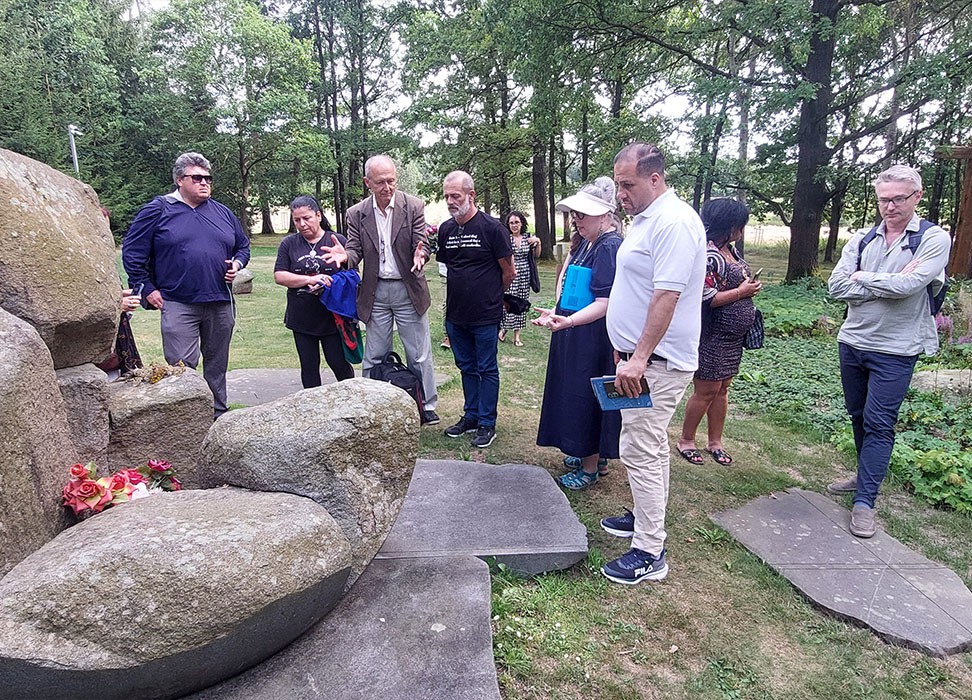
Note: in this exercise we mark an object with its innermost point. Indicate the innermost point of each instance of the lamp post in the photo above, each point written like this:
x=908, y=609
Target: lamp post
x=72, y=132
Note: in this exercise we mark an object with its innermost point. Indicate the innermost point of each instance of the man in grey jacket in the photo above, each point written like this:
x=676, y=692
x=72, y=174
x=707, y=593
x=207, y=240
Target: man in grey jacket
x=887, y=283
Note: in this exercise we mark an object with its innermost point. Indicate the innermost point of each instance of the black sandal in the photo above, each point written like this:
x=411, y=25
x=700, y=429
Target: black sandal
x=693, y=456
x=721, y=457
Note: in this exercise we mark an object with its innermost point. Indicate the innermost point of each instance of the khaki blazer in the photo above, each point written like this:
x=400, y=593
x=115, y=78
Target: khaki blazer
x=408, y=228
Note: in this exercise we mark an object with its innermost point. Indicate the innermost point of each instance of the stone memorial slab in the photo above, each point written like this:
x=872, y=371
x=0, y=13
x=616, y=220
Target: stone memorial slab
x=409, y=629
x=905, y=598
x=513, y=512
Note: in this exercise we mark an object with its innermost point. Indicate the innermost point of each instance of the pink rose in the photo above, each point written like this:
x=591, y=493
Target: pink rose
x=159, y=465
x=133, y=475
x=175, y=484
x=79, y=471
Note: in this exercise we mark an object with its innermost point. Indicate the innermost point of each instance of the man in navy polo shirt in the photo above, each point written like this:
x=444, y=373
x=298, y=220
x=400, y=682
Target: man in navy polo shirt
x=186, y=248
x=476, y=247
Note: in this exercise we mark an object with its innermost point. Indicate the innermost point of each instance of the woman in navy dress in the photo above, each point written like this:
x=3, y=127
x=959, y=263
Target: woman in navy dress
x=571, y=419
x=727, y=316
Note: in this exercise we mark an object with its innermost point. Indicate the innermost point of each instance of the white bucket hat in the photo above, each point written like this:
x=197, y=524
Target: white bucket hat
x=594, y=199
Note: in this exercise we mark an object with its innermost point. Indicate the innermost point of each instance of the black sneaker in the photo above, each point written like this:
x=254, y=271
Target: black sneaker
x=430, y=418
x=620, y=526
x=635, y=566
x=463, y=425
x=484, y=437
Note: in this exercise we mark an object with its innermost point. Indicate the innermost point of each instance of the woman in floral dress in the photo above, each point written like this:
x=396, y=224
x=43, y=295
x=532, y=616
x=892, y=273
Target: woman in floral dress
x=523, y=247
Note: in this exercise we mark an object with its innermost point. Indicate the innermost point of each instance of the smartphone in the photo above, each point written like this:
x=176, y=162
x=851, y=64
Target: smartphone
x=758, y=273
x=137, y=290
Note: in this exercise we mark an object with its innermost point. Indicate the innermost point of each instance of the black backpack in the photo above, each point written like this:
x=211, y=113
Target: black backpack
x=935, y=301
x=392, y=370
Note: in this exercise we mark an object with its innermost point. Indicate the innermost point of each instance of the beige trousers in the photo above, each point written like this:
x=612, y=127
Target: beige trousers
x=644, y=452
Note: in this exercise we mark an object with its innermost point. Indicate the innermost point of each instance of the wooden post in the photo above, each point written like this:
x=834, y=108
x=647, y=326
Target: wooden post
x=960, y=262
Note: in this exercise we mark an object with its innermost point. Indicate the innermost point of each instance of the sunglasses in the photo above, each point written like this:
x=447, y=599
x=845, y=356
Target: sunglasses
x=200, y=178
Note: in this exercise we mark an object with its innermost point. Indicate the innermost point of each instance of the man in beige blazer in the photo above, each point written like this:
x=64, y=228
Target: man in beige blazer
x=386, y=231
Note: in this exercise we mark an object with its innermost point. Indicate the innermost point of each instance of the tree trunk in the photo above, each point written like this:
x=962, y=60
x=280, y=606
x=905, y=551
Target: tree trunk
x=540, y=198
x=810, y=194
x=266, y=226
x=836, y=211
x=585, y=145
x=551, y=172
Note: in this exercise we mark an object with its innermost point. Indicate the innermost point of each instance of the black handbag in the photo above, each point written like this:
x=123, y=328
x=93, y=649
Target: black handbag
x=755, y=336
x=534, y=273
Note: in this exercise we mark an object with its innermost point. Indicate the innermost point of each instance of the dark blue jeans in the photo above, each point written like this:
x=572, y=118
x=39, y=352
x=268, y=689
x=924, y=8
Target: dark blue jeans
x=875, y=384
x=474, y=349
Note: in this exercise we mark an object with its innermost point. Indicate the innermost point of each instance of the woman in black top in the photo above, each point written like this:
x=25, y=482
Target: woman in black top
x=301, y=268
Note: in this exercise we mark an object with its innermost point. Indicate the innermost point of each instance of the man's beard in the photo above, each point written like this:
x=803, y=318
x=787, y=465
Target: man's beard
x=463, y=209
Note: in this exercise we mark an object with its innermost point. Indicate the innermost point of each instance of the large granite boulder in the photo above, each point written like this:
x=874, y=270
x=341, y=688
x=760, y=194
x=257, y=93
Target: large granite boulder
x=167, y=595
x=350, y=446
x=57, y=260
x=165, y=420
x=36, y=449
x=85, y=392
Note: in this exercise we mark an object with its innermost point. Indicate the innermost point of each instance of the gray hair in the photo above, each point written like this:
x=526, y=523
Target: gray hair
x=899, y=173
x=465, y=179
x=374, y=160
x=603, y=188
x=187, y=160
x=647, y=156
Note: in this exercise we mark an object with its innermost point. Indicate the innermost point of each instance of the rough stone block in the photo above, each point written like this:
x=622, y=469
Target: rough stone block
x=166, y=595
x=85, y=393
x=350, y=446
x=57, y=260
x=166, y=420
x=513, y=512
x=243, y=282
x=36, y=447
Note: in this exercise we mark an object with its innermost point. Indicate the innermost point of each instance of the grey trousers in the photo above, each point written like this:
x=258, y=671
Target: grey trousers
x=393, y=308
x=188, y=329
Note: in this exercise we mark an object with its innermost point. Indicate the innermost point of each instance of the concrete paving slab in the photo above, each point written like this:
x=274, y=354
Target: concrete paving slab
x=904, y=597
x=251, y=387
x=513, y=512
x=409, y=629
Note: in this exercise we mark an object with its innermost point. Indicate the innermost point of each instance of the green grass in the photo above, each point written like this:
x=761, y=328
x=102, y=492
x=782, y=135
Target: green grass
x=723, y=625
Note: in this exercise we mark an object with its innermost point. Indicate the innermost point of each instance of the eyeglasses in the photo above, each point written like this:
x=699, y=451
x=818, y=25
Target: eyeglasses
x=200, y=178
x=578, y=215
x=897, y=201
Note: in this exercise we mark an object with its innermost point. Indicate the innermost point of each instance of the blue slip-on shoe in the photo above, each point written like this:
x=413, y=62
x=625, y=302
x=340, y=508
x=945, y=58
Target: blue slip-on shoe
x=619, y=526
x=635, y=566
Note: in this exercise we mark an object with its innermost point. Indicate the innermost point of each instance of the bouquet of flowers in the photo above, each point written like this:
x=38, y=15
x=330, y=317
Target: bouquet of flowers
x=86, y=494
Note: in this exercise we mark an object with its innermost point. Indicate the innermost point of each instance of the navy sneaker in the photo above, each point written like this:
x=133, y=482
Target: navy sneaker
x=485, y=435
x=462, y=426
x=621, y=526
x=635, y=566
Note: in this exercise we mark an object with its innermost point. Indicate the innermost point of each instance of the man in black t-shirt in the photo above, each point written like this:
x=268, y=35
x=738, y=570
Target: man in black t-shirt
x=476, y=248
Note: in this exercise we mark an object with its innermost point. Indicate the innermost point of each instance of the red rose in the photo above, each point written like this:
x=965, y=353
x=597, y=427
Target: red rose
x=85, y=494
x=175, y=484
x=78, y=471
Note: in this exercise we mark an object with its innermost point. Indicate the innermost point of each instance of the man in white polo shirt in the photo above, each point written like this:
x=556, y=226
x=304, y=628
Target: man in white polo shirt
x=654, y=319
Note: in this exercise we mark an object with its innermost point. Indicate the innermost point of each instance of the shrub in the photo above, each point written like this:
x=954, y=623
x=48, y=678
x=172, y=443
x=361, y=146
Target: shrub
x=800, y=308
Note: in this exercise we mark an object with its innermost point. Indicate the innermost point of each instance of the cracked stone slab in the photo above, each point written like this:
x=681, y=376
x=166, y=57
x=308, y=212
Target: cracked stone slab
x=251, y=387
x=513, y=512
x=409, y=629
x=905, y=598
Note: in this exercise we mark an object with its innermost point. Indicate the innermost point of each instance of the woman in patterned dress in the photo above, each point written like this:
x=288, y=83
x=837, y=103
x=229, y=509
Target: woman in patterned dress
x=523, y=247
x=727, y=315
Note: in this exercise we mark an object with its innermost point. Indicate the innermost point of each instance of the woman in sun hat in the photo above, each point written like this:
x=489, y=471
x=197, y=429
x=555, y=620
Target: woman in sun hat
x=571, y=419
